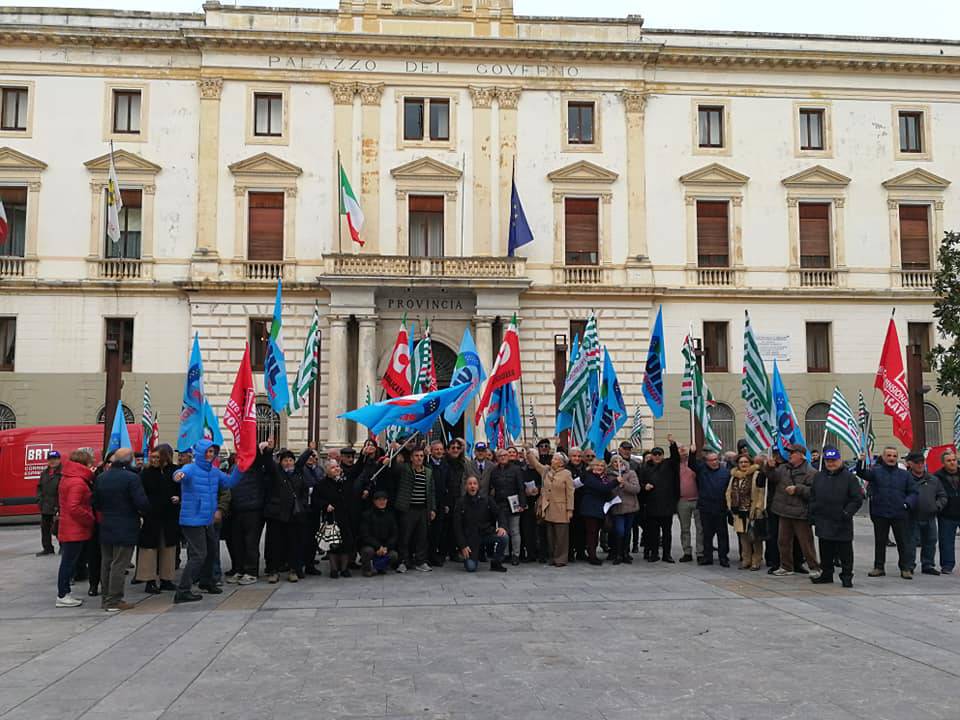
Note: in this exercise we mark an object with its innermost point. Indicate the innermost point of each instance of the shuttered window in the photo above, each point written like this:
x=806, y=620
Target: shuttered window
x=715, y=347
x=259, y=335
x=265, y=226
x=915, y=237
x=814, y=235
x=818, y=347
x=582, y=231
x=713, y=241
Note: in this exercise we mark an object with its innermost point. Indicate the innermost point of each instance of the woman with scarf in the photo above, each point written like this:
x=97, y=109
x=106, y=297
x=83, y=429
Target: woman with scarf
x=286, y=513
x=334, y=498
x=555, y=504
x=597, y=489
x=626, y=487
x=161, y=525
x=747, y=503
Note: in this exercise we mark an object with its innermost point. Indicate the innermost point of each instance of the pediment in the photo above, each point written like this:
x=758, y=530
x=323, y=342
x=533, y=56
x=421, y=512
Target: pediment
x=265, y=164
x=426, y=168
x=714, y=174
x=583, y=172
x=817, y=176
x=917, y=179
x=124, y=161
x=11, y=159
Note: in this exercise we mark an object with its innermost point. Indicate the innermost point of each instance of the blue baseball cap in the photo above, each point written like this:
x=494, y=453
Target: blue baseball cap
x=480, y=446
x=831, y=453
x=53, y=454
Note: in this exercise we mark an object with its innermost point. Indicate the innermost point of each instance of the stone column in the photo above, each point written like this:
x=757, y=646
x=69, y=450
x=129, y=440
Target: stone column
x=370, y=165
x=367, y=359
x=484, y=335
x=343, y=94
x=634, y=103
x=337, y=381
x=508, y=97
x=482, y=191
x=208, y=173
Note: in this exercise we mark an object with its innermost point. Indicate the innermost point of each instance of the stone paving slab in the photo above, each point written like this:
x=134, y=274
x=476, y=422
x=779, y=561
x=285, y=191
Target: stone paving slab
x=646, y=640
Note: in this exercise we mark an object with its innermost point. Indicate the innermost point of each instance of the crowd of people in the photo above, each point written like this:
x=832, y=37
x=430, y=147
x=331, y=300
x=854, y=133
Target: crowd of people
x=416, y=507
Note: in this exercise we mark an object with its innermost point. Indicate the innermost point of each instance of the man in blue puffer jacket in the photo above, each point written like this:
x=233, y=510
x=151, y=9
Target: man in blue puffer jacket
x=200, y=482
x=712, y=479
x=893, y=493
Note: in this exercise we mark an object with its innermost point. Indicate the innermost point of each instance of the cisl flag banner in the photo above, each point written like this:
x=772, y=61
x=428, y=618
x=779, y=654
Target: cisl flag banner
x=240, y=417
x=891, y=380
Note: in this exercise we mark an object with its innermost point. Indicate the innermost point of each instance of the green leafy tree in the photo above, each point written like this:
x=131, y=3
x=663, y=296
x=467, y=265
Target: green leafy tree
x=946, y=308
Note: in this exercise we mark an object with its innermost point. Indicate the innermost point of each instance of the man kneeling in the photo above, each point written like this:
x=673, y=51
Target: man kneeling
x=378, y=537
x=478, y=523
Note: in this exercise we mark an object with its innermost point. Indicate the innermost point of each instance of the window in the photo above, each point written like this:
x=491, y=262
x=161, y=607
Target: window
x=8, y=343
x=911, y=131
x=267, y=114
x=723, y=421
x=8, y=418
x=131, y=227
x=915, y=237
x=715, y=355
x=578, y=328
x=814, y=235
x=581, y=231
x=14, y=201
x=268, y=422
x=713, y=228
x=710, y=126
x=416, y=112
x=13, y=109
x=425, y=221
x=814, y=425
x=259, y=335
x=265, y=226
x=918, y=333
x=128, y=417
x=931, y=424
x=818, y=347
x=580, y=123
x=811, y=129
x=121, y=331
x=126, y=111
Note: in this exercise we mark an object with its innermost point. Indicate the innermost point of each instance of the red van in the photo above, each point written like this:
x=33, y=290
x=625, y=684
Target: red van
x=23, y=456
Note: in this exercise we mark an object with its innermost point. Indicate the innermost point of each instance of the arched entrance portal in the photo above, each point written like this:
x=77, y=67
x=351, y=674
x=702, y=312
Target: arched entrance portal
x=444, y=360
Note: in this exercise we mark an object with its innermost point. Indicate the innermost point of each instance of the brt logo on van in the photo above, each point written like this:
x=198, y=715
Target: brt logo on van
x=35, y=460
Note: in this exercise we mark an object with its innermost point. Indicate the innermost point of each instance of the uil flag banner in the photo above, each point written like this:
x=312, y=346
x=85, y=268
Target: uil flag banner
x=891, y=380
x=611, y=412
x=788, y=429
x=467, y=371
x=506, y=368
x=119, y=435
x=274, y=364
x=413, y=412
x=396, y=380
x=656, y=366
x=192, y=409
x=240, y=417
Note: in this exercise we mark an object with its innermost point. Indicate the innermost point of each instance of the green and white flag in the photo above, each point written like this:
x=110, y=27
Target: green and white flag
x=840, y=420
x=956, y=427
x=309, y=366
x=636, y=432
x=868, y=438
x=424, y=372
x=575, y=398
x=759, y=424
x=696, y=397
x=147, y=420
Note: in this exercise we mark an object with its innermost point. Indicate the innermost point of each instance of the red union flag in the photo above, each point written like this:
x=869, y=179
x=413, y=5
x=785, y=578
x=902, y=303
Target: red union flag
x=891, y=380
x=240, y=417
x=396, y=380
x=506, y=368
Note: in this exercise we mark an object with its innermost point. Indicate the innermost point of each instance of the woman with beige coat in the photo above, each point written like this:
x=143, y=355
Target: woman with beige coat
x=555, y=504
x=747, y=501
x=624, y=512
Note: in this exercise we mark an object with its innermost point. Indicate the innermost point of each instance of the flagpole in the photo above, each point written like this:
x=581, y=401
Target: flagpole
x=339, y=203
x=392, y=455
x=823, y=444
x=463, y=194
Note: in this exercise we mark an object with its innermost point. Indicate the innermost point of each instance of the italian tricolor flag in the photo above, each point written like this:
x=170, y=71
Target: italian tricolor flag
x=4, y=227
x=350, y=206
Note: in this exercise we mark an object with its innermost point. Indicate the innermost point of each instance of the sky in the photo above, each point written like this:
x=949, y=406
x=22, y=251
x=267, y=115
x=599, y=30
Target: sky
x=919, y=18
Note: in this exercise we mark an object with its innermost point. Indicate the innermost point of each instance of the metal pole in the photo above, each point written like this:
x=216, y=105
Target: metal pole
x=915, y=391
x=339, y=204
x=560, y=379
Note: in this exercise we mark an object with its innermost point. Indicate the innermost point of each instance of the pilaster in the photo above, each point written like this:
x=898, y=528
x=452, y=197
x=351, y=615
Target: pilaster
x=370, y=95
x=367, y=357
x=507, y=99
x=343, y=99
x=204, y=262
x=337, y=381
x=634, y=103
x=482, y=98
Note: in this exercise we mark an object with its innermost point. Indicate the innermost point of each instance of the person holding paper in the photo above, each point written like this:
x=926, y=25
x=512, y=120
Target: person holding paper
x=626, y=488
x=597, y=489
x=506, y=479
x=555, y=504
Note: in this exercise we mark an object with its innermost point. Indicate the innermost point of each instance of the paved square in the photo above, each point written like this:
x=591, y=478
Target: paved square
x=657, y=641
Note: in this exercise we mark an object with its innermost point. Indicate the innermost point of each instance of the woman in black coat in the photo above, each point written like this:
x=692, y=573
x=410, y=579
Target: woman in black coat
x=161, y=525
x=334, y=499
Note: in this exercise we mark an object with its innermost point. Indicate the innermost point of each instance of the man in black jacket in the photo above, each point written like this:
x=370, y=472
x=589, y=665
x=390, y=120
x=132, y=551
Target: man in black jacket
x=378, y=537
x=949, y=519
x=931, y=499
x=247, y=499
x=578, y=537
x=503, y=480
x=437, y=461
x=49, y=500
x=660, y=492
x=479, y=523
x=835, y=497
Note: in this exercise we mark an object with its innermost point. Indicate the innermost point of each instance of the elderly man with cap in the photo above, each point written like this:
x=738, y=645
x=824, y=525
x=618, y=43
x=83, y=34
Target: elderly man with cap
x=379, y=535
x=892, y=492
x=481, y=458
x=931, y=499
x=835, y=497
x=48, y=488
x=791, y=484
x=949, y=520
x=660, y=491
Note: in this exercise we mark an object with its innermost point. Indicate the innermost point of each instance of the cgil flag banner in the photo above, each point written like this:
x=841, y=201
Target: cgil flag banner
x=891, y=380
x=240, y=416
x=396, y=380
x=506, y=368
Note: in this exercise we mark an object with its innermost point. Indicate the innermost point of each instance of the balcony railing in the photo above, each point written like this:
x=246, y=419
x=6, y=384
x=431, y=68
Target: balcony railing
x=818, y=278
x=715, y=277
x=404, y=266
x=580, y=275
x=916, y=278
x=119, y=269
x=12, y=267
x=259, y=270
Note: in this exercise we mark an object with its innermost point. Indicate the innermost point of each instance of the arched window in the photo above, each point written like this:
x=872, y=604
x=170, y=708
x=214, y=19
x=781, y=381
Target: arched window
x=815, y=424
x=931, y=423
x=268, y=422
x=8, y=419
x=128, y=417
x=724, y=425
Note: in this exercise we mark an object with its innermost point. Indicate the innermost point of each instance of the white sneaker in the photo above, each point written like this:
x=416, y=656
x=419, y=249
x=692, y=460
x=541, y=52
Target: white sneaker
x=246, y=580
x=780, y=572
x=423, y=567
x=815, y=574
x=232, y=579
x=68, y=601
x=402, y=568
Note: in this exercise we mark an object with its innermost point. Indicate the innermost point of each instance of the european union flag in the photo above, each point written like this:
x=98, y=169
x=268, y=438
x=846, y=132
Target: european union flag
x=520, y=233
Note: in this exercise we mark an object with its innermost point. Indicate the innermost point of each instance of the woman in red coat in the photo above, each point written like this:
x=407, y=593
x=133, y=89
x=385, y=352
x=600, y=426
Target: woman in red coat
x=76, y=519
